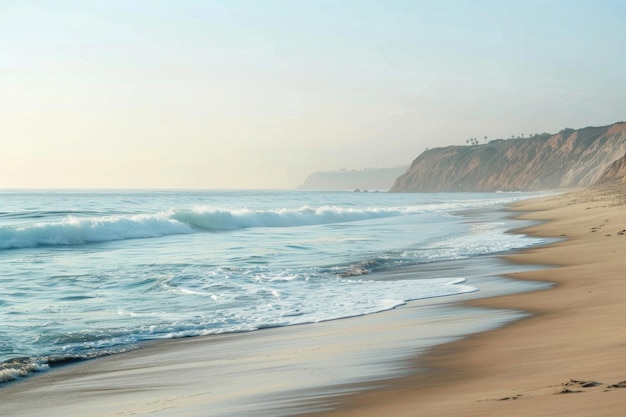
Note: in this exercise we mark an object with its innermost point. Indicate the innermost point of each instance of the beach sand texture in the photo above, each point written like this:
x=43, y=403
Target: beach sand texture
x=567, y=359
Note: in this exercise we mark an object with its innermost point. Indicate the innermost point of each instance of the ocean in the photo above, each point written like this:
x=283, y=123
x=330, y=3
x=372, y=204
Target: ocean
x=90, y=273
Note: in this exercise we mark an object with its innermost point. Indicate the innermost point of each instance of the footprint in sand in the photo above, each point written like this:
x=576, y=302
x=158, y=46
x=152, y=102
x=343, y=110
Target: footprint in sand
x=621, y=384
x=510, y=398
x=574, y=386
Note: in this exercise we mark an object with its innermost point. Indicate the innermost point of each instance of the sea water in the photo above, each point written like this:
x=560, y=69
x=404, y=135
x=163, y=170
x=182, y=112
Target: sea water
x=90, y=273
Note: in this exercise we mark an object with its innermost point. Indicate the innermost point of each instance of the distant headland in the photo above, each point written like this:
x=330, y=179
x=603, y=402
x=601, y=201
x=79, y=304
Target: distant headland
x=568, y=159
x=352, y=179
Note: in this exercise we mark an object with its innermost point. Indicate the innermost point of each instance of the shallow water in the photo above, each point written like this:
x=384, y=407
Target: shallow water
x=90, y=273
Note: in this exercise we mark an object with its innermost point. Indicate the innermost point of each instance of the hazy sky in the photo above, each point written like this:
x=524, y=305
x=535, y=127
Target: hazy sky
x=258, y=94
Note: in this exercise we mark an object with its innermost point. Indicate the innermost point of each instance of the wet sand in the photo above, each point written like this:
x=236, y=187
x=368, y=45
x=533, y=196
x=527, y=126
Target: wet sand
x=280, y=371
x=566, y=359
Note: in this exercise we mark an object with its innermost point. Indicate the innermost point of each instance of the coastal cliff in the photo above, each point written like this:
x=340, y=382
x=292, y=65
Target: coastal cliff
x=615, y=172
x=569, y=159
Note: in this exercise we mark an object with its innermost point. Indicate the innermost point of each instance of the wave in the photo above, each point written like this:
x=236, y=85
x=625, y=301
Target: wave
x=69, y=228
x=264, y=307
x=76, y=230
x=18, y=368
x=212, y=218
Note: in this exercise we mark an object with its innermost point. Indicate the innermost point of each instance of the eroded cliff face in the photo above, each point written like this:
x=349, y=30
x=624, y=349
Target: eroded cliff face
x=615, y=172
x=572, y=158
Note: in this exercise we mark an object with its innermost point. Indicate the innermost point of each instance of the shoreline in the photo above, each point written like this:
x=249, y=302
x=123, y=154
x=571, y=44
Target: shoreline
x=564, y=359
x=140, y=377
x=454, y=378
x=94, y=385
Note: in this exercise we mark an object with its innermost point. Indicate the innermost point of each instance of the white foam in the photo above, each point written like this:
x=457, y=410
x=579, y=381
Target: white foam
x=12, y=370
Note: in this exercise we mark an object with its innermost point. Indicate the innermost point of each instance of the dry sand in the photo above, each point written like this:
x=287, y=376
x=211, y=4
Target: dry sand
x=567, y=359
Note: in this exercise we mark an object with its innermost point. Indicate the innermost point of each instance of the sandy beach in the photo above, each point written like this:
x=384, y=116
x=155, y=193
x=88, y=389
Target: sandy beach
x=565, y=359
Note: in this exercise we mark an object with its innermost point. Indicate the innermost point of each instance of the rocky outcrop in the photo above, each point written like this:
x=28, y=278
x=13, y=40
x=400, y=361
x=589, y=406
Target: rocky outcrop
x=350, y=179
x=569, y=159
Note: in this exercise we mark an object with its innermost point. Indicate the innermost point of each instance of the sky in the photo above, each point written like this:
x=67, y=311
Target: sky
x=258, y=94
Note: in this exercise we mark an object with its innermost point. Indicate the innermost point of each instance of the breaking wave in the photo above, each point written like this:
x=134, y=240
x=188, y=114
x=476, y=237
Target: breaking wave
x=76, y=230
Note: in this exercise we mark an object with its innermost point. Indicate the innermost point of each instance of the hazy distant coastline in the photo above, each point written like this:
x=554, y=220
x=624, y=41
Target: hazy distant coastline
x=351, y=179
